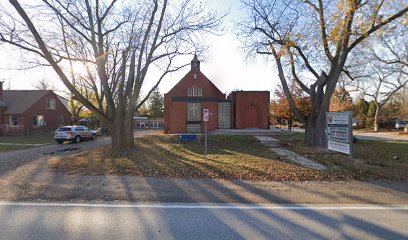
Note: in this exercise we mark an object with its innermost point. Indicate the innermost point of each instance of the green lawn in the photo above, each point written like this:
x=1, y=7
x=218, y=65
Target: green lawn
x=17, y=142
x=7, y=148
x=371, y=159
x=27, y=139
x=230, y=157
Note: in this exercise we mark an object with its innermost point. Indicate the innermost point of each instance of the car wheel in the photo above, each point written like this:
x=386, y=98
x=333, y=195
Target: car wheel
x=93, y=136
x=77, y=139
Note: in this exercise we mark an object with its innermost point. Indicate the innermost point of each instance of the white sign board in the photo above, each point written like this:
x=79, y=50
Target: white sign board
x=206, y=115
x=339, y=131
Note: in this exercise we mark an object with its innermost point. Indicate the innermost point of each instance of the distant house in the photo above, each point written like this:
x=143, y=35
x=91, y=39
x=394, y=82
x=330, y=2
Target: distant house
x=25, y=112
x=145, y=122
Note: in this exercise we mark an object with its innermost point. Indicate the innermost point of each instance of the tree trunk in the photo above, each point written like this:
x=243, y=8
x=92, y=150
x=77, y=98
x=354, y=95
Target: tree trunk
x=290, y=123
x=315, y=130
x=122, y=134
x=376, y=118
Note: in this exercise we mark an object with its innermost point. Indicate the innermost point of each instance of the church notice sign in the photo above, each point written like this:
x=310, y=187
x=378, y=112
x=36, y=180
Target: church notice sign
x=339, y=131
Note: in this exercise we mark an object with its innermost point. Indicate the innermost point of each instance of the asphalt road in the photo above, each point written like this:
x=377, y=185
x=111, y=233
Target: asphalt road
x=192, y=221
x=381, y=136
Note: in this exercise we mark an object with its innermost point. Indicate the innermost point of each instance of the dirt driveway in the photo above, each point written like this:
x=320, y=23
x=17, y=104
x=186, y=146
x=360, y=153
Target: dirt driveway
x=25, y=176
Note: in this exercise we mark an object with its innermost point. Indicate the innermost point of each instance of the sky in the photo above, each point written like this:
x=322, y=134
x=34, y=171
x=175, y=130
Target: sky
x=225, y=64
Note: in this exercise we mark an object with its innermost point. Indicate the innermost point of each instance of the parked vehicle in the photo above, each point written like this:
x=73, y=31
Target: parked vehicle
x=400, y=124
x=297, y=124
x=74, y=134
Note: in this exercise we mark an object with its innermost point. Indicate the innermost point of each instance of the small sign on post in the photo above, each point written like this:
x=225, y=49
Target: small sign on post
x=206, y=117
x=339, y=132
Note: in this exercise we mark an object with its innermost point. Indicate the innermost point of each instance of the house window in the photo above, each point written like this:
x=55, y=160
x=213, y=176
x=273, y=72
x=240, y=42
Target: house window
x=50, y=103
x=190, y=92
x=13, y=121
x=155, y=125
x=193, y=112
x=200, y=92
x=38, y=120
x=141, y=125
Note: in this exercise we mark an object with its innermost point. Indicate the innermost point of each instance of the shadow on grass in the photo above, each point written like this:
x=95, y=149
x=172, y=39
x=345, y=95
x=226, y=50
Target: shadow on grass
x=229, y=157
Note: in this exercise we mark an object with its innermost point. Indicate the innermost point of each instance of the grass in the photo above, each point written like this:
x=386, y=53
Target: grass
x=387, y=160
x=230, y=157
x=27, y=139
x=7, y=148
x=17, y=142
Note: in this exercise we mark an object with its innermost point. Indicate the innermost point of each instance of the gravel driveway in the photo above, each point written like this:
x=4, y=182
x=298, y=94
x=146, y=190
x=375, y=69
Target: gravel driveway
x=25, y=176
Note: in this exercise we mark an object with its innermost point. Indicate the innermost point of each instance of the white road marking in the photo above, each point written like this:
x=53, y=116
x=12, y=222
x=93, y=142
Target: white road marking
x=215, y=206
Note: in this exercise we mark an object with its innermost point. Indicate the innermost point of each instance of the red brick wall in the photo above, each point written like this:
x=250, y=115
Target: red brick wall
x=51, y=117
x=166, y=114
x=251, y=109
x=212, y=124
x=175, y=112
x=5, y=129
x=251, y=106
x=209, y=89
x=177, y=118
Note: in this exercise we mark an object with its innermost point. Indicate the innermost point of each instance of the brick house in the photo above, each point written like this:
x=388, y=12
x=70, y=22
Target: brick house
x=25, y=112
x=184, y=104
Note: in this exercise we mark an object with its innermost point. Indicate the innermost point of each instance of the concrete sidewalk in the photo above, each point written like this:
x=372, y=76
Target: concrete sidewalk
x=276, y=146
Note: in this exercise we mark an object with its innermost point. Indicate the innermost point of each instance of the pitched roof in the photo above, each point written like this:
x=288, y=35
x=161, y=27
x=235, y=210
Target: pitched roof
x=19, y=101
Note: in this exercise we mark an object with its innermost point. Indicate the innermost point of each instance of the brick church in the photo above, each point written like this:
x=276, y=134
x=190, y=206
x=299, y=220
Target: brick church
x=184, y=104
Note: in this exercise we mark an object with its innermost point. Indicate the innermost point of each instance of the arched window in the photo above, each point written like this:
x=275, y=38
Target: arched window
x=200, y=92
x=194, y=91
x=189, y=92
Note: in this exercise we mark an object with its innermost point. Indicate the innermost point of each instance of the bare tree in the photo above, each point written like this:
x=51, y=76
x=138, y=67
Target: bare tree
x=310, y=42
x=43, y=84
x=118, y=42
x=384, y=62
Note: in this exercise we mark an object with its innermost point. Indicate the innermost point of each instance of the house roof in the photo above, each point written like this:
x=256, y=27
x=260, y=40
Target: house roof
x=19, y=101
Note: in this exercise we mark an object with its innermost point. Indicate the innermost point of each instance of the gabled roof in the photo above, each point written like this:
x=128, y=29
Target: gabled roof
x=19, y=101
x=188, y=77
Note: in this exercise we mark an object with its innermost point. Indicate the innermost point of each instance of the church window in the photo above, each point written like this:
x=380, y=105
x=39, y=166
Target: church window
x=193, y=112
x=224, y=115
x=194, y=91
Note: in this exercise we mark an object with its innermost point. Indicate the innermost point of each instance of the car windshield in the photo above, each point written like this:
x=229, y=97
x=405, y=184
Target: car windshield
x=63, y=129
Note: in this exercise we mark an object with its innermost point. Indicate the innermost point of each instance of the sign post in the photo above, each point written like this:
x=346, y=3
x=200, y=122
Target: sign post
x=339, y=132
x=206, y=116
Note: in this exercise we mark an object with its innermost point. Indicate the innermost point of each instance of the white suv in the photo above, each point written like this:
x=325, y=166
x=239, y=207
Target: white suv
x=400, y=124
x=74, y=134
